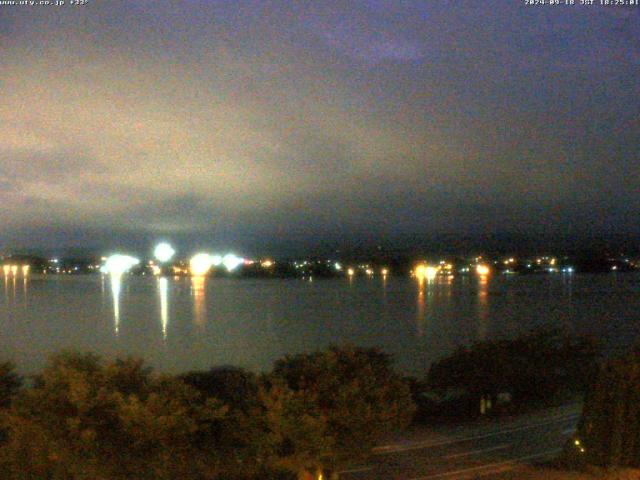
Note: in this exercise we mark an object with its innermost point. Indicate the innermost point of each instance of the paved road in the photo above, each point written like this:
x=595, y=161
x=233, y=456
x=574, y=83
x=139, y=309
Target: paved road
x=474, y=451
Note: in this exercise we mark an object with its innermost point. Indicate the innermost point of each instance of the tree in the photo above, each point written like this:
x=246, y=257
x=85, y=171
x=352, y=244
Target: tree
x=533, y=367
x=245, y=445
x=296, y=431
x=10, y=383
x=87, y=419
x=349, y=397
x=609, y=430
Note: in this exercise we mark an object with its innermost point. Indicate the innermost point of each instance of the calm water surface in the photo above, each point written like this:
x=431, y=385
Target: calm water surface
x=182, y=324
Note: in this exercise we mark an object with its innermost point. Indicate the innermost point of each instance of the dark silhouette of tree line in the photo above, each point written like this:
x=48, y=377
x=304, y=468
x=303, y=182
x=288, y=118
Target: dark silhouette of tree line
x=609, y=430
x=86, y=418
x=313, y=414
x=533, y=369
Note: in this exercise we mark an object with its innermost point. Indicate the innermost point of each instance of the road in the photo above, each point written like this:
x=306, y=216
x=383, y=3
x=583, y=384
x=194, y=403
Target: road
x=473, y=451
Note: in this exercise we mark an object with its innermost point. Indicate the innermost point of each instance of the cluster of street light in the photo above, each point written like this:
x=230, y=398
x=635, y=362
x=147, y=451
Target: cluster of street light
x=428, y=272
x=199, y=265
x=13, y=270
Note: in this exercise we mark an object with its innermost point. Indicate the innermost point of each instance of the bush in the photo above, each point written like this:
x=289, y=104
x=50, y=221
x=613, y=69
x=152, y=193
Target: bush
x=87, y=419
x=354, y=396
x=10, y=383
x=532, y=368
x=609, y=430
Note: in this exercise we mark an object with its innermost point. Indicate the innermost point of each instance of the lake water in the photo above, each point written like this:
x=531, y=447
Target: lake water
x=179, y=324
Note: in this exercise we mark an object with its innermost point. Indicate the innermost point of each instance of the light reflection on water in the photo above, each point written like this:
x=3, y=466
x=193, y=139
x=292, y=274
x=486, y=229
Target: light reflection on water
x=198, y=283
x=116, y=285
x=187, y=323
x=163, y=289
x=483, y=307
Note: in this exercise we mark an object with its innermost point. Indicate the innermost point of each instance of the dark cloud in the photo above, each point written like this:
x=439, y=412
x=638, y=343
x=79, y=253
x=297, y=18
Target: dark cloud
x=247, y=122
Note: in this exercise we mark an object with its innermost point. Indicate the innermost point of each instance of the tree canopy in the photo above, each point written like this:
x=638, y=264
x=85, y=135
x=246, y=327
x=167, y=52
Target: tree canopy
x=354, y=392
x=87, y=418
x=609, y=430
x=533, y=366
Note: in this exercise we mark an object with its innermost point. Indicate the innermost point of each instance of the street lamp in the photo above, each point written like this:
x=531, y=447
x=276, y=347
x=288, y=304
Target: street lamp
x=163, y=252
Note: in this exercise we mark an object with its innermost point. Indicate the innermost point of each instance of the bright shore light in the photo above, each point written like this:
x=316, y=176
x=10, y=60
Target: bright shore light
x=163, y=252
x=351, y=272
x=231, y=262
x=431, y=272
x=482, y=270
x=14, y=270
x=425, y=272
x=118, y=264
x=25, y=270
x=6, y=269
x=200, y=264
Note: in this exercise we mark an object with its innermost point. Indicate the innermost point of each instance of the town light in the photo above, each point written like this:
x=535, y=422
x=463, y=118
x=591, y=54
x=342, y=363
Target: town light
x=482, y=270
x=163, y=252
x=431, y=272
x=200, y=264
x=118, y=264
x=231, y=262
x=426, y=272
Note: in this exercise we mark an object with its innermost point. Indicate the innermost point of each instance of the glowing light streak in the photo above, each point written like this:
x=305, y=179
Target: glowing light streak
x=116, y=283
x=163, y=287
x=199, y=305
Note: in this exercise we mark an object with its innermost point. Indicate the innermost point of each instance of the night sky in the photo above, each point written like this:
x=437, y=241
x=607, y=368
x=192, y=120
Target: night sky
x=261, y=124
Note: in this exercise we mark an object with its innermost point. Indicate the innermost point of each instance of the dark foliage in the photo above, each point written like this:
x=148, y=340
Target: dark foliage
x=87, y=418
x=10, y=383
x=609, y=430
x=355, y=392
x=534, y=367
